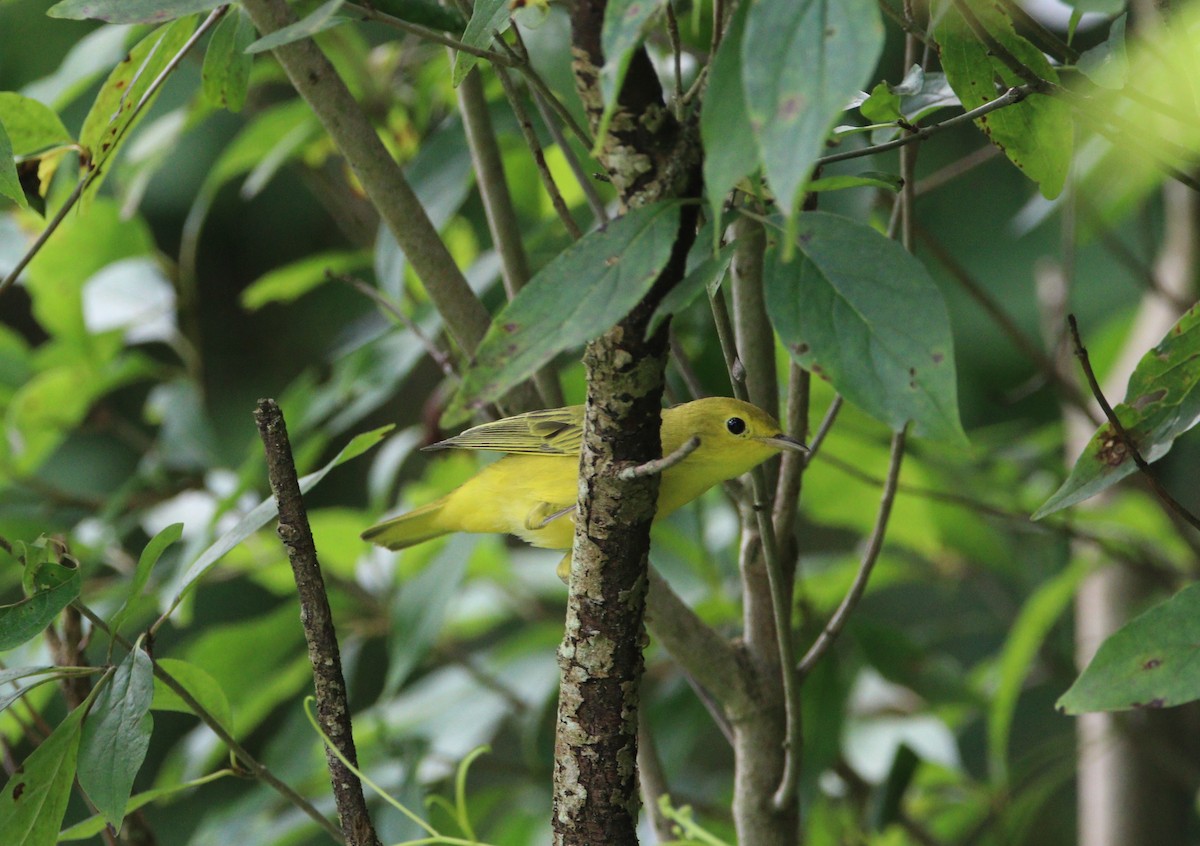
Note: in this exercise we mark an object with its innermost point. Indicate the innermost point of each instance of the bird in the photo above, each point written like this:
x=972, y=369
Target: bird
x=531, y=491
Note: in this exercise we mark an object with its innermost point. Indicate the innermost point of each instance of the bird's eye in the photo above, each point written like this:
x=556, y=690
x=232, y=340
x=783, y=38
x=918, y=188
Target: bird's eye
x=735, y=425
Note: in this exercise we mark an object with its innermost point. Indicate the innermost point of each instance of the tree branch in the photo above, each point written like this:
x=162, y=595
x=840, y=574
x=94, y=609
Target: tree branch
x=318, y=83
x=333, y=707
x=838, y=621
x=498, y=209
x=1123, y=434
x=658, y=465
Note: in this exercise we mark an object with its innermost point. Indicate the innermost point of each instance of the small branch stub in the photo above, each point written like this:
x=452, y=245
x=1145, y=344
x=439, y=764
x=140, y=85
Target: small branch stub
x=659, y=465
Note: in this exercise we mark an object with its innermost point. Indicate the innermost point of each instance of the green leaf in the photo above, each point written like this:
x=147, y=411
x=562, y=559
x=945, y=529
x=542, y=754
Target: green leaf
x=10, y=183
x=31, y=126
x=45, y=568
x=146, y=561
x=116, y=736
x=226, y=72
x=883, y=106
x=424, y=12
x=34, y=800
x=292, y=281
x=1150, y=662
x=573, y=299
x=23, y=620
x=730, y=152
x=264, y=512
x=114, y=113
x=706, y=276
x=1036, y=134
x=86, y=243
x=1161, y=403
x=802, y=62
x=1106, y=64
x=199, y=684
x=867, y=179
x=1026, y=637
x=419, y=611
x=620, y=34
x=130, y=11
x=857, y=310
x=89, y=57
x=322, y=18
x=488, y=18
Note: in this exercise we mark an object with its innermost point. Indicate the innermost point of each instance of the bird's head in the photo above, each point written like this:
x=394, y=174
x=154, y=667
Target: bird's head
x=734, y=435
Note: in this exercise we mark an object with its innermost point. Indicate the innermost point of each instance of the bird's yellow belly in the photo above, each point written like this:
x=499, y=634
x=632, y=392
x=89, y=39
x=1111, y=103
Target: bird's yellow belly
x=527, y=495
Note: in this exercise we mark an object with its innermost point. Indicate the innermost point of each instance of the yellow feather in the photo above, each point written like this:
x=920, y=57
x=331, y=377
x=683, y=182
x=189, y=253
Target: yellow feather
x=531, y=492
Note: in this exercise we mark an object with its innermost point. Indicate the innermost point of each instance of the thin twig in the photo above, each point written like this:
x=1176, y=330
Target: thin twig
x=1146, y=561
x=724, y=326
x=1007, y=325
x=1122, y=433
x=439, y=356
x=1008, y=98
x=909, y=26
x=333, y=706
x=683, y=364
x=1145, y=274
x=539, y=156
x=827, y=422
x=428, y=34
x=659, y=465
x=677, y=55
x=535, y=82
x=582, y=178
x=719, y=18
x=499, y=210
x=781, y=611
x=37, y=245
x=252, y=764
x=957, y=168
x=838, y=621
x=792, y=463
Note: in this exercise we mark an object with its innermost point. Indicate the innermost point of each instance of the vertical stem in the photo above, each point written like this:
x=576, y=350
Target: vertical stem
x=493, y=187
x=316, y=80
x=333, y=708
x=498, y=208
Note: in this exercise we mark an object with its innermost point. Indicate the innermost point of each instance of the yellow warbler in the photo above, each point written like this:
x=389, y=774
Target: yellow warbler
x=531, y=492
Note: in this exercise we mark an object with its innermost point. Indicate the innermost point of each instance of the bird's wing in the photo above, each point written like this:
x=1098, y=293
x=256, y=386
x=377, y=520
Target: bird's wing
x=551, y=431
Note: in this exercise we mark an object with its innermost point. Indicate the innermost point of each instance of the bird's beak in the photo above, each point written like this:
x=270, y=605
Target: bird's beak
x=782, y=441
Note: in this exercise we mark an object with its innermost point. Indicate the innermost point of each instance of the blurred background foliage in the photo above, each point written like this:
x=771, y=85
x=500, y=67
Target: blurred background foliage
x=931, y=722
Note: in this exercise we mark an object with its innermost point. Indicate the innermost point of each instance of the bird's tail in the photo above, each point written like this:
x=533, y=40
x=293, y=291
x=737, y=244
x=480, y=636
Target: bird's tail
x=409, y=529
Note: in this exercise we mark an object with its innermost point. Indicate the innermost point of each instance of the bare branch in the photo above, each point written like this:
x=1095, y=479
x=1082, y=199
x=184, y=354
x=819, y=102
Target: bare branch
x=838, y=621
x=333, y=707
x=658, y=465
x=1122, y=433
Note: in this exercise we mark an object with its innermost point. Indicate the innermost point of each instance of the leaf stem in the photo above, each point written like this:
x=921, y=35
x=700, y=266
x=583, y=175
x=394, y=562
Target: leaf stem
x=428, y=34
x=1013, y=95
